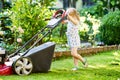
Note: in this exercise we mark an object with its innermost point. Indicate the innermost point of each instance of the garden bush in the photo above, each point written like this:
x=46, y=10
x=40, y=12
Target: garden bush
x=27, y=18
x=110, y=28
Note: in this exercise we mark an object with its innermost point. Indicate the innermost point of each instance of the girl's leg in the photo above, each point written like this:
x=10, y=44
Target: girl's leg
x=77, y=57
x=75, y=62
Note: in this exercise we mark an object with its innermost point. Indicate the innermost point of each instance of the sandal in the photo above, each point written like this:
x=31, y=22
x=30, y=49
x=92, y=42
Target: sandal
x=75, y=68
x=85, y=63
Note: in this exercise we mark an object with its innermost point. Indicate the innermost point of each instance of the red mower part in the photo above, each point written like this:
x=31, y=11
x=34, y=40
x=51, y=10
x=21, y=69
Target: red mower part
x=61, y=11
x=5, y=70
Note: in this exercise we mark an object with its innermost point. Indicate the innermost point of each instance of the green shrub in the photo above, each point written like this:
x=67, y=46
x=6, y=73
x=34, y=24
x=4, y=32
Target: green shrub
x=58, y=34
x=27, y=19
x=110, y=28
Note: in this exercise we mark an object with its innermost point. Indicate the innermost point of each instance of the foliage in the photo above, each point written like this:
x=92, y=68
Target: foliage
x=89, y=28
x=99, y=69
x=109, y=4
x=8, y=47
x=46, y=2
x=116, y=60
x=110, y=28
x=95, y=10
x=5, y=33
x=101, y=7
x=43, y=2
x=27, y=19
x=58, y=34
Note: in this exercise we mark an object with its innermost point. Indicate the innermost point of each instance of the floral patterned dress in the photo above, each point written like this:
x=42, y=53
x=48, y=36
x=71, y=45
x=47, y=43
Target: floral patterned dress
x=73, y=37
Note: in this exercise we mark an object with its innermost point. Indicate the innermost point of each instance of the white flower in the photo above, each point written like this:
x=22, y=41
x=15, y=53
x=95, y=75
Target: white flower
x=82, y=19
x=19, y=40
x=20, y=30
x=84, y=27
x=1, y=32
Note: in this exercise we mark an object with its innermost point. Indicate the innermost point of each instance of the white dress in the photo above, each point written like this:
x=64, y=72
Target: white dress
x=73, y=37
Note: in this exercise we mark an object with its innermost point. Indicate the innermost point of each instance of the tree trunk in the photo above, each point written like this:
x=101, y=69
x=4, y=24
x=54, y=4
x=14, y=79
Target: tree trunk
x=1, y=5
x=73, y=3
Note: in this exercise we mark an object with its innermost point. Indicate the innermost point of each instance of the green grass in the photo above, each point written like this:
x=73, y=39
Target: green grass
x=99, y=68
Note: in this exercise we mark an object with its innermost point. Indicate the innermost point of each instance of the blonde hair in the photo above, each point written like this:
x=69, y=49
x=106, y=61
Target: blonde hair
x=73, y=15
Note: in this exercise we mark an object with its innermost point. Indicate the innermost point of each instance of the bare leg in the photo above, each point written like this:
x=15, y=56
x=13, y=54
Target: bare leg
x=76, y=55
x=75, y=62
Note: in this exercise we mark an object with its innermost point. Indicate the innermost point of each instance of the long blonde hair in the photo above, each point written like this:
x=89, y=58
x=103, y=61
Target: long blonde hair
x=73, y=16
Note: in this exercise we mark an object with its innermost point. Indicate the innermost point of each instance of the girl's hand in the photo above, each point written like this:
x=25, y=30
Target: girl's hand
x=64, y=21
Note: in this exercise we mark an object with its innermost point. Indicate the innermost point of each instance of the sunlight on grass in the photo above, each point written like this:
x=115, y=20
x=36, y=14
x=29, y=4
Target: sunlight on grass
x=116, y=58
x=100, y=68
x=97, y=66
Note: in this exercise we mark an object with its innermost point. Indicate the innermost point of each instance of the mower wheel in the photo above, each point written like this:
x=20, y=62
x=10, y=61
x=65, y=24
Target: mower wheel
x=23, y=66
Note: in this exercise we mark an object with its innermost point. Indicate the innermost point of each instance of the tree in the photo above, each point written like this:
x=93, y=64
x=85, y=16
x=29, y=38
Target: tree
x=109, y=4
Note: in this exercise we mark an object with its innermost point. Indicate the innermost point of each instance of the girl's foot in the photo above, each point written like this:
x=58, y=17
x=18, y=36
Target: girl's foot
x=74, y=69
x=85, y=63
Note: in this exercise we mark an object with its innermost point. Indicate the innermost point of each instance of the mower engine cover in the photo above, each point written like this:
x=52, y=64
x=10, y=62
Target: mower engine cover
x=59, y=13
x=4, y=69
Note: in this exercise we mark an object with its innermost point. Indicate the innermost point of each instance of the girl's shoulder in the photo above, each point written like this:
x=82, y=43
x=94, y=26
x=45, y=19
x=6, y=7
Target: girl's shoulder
x=70, y=23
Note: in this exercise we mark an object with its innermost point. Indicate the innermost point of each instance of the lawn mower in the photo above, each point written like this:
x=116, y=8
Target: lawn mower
x=34, y=59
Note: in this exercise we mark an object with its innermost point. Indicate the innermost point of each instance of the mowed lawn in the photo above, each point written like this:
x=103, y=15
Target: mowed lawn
x=100, y=68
